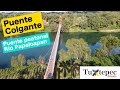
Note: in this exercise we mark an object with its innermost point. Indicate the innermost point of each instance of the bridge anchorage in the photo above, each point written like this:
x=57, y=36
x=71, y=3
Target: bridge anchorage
x=51, y=64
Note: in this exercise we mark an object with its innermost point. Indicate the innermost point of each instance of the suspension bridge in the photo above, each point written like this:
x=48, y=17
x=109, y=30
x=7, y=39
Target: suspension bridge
x=51, y=64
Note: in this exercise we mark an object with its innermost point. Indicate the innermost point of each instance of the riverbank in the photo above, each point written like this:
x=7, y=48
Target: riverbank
x=86, y=30
x=110, y=30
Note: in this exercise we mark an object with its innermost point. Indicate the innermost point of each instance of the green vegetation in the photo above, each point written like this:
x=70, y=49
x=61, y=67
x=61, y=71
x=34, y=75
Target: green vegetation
x=67, y=67
x=23, y=72
x=21, y=61
x=78, y=53
x=18, y=61
x=77, y=49
x=70, y=69
x=24, y=69
x=69, y=61
x=113, y=60
x=77, y=22
x=109, y=43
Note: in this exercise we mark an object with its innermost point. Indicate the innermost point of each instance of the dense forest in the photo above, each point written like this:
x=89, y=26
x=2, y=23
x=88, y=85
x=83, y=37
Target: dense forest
x=78, y=52
x=77, y=21
x=84, y=21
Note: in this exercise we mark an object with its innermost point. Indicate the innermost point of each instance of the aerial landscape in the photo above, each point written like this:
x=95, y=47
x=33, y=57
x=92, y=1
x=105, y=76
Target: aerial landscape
x=87, y=38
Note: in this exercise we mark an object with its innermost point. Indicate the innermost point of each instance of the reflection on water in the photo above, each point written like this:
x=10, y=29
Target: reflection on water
x=91, y=38
x=94, y=46
x=116, y=51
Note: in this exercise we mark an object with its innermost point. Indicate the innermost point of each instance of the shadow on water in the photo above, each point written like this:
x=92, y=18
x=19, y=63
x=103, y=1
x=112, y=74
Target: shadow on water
x=91, y=38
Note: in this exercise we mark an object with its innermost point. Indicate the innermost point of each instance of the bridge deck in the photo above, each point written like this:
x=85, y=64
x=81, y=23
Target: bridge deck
x=51, y=63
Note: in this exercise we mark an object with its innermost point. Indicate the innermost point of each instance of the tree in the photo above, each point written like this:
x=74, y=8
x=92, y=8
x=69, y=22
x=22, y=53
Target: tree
x=100, y=61
x=24, y=72
x=67, y=22
x=100, y=52
x=21, y=60
x=31, y=62
x=53, y=22
x=94, y=22
x=63, y=55
x=103, y=22
x=18, y=61
x=115, y=59
x=78, y=49
x=83, y=22
x=110, y=42
x=41, y=60
x=14, y=62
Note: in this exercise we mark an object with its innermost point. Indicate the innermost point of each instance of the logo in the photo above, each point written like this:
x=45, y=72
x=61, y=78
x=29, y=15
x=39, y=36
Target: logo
x=95, y=72
x=99, y=72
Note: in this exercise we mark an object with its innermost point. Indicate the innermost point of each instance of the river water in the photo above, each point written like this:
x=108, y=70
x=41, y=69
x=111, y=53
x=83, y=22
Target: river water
x=91, y=38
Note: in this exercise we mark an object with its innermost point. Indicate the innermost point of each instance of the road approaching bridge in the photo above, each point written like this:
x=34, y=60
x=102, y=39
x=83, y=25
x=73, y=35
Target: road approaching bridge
x=51, y=64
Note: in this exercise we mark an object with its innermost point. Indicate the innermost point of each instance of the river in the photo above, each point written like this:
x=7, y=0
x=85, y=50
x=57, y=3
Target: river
x=92, y=39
